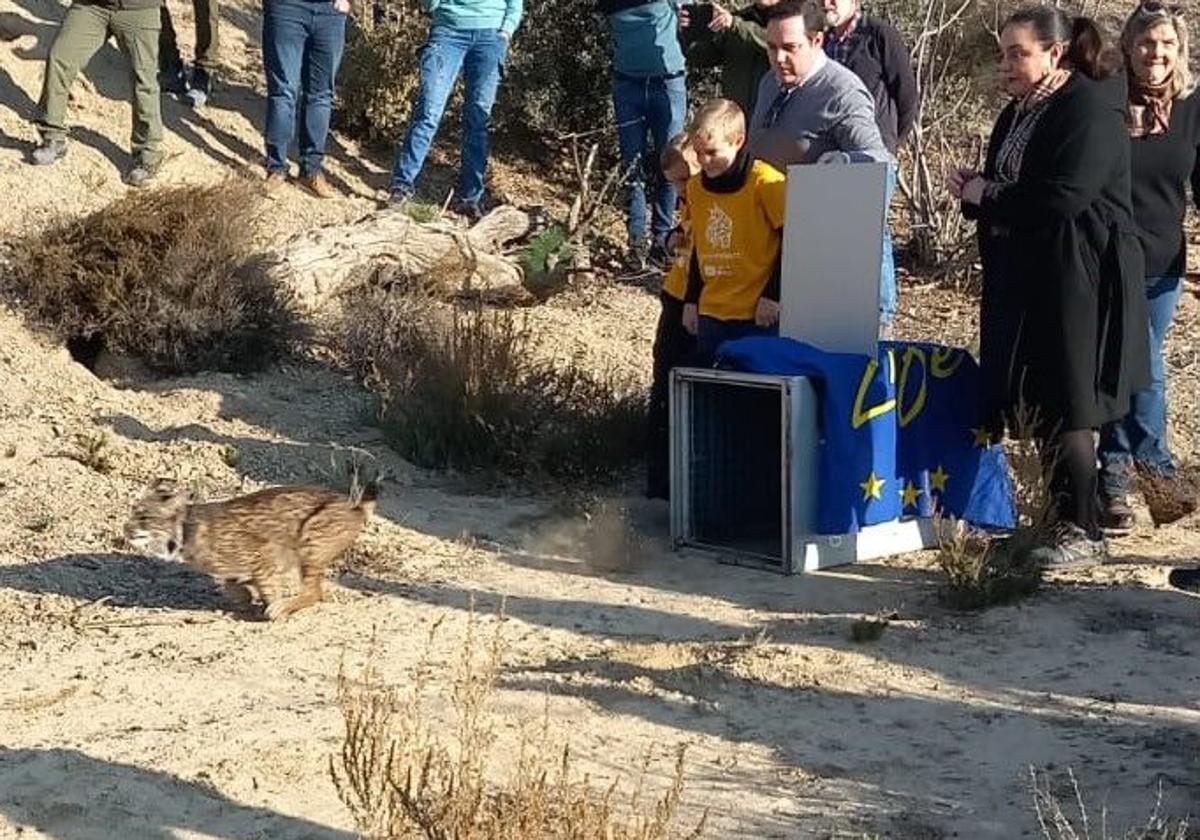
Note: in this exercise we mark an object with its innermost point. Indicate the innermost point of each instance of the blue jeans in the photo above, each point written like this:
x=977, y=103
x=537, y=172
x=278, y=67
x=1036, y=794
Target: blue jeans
x=654, y=107
x=479, y=54
x=711, y=333
x=1142, y=435
x=302, y=48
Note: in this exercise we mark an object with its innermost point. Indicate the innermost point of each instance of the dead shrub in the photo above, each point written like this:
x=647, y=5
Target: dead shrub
x=400, y=777
x=1062, y=814
x=158, y=275
x=463, y=387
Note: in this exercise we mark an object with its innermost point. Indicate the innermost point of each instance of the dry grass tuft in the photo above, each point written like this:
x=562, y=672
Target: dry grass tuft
x=1063, y=815
x=400, y=777
x=158, y=275
x=465, y=388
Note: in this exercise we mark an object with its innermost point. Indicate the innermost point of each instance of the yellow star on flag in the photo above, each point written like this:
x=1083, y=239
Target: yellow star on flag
x=983, y=438
x=938, y=479
x=910, y=494
x=873, y=487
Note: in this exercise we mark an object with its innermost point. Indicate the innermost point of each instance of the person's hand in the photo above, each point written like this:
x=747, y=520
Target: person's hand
x=972, y=191
x=766, y=313
x=957, y=177
x=342, y=6
x=674, y=241
x=684, y=18
x=691, y=318
x=833, y=156
x=722, y=19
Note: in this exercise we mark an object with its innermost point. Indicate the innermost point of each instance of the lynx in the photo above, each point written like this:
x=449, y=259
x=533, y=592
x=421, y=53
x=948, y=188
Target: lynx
x=254, y=545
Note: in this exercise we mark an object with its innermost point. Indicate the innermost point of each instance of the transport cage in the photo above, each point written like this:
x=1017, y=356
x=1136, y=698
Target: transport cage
x=744, y=482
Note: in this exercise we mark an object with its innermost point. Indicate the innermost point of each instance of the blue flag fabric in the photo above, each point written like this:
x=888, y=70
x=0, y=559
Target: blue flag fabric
x=900, y=434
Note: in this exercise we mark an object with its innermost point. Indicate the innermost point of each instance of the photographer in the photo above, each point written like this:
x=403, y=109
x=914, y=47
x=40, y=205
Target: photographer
x=735, y=41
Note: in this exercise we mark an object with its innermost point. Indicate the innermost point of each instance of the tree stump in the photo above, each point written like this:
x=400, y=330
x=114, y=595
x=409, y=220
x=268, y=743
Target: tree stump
x=391, y=247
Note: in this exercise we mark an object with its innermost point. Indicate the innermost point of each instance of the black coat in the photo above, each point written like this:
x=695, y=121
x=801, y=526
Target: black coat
x=1063, y=320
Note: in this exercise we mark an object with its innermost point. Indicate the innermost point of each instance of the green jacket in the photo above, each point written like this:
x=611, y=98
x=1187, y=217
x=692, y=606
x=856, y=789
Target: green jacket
x=740, y=52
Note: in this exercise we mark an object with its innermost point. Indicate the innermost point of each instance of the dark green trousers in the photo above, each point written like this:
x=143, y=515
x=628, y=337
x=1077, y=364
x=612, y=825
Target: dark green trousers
x=207, y=40
x=83, y=32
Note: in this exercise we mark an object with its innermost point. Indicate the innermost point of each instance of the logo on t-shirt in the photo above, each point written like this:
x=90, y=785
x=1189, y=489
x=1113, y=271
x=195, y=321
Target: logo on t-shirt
x=719, y=230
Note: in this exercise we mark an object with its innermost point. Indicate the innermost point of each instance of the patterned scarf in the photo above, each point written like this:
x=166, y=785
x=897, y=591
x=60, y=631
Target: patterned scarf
x=1026, y=115
x=1149, y=107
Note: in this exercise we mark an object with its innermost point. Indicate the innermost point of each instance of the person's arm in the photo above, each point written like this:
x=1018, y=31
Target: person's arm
x=748, y=31
x=1080, y=153
x=900, y=81
x=512, y=16
x=856, y=129
x=1196, y=169
x=695, y=282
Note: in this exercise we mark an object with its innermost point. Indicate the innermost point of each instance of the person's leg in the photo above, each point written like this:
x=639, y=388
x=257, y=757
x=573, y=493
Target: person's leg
x=137, y=34
x=629, y=108
x=672, y=348
x=441, y=59
x=483, y=68
x=888, y=291
x=1149, y=416
x=208, y=21
x=286, y=26
x=322, y=56
x=170, y=62
x=84, y=30
x=666, y=113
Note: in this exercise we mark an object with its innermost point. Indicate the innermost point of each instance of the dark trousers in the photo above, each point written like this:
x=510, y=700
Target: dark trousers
x=302, y=48
x=712, y=333
x=673, y=347
x=208, y=17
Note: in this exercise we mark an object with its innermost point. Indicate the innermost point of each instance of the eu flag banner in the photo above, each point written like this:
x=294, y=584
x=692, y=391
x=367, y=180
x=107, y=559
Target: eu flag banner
x=900, y=434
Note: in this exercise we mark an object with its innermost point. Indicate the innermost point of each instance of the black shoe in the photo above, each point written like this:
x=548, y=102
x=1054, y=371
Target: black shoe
x=141, y=175
x=1116, y=517
x=472, y=211
x=638, y=255
x=173, y=81
x=199, y=88
x=1072, y=549
x=48, y=151
x=1185, y=580
x=660, y=257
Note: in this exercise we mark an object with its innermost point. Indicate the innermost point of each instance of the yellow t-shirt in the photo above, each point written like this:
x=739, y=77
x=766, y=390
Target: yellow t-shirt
x=737, y=237
x=676, y=280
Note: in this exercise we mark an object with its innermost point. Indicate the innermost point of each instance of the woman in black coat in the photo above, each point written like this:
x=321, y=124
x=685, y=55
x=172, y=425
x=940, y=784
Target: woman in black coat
x=1063, y=315
x=1164, y=132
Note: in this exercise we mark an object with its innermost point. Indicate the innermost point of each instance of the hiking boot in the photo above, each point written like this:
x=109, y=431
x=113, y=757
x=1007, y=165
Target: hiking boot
x=398, y=199
x=637, y=255
x=1185, y=580
x=199, y=88
x=274, y=182
x=472, y=211
x=1072, y=549
x=317, y=184
x=48, y=151
x=1116, y=516
x=659, y=257
x=141, y=175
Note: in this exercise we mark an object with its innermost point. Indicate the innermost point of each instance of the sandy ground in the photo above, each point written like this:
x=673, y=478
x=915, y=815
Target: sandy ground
x=133, y=706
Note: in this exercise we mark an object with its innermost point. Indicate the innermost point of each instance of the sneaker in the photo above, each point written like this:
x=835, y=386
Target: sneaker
x=659, y=257
x=1116, y=516
x=274, y=182
x=1072, y=549
x=199, y=88
x=317, y=184
x=1185, y=580
x=173, y=81
x=48, y=151
x=141, y=175
x=398, y=199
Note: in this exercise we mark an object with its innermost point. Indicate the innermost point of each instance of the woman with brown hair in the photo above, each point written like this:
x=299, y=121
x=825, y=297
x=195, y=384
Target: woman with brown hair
x=1063, y=317
x=1164, y=131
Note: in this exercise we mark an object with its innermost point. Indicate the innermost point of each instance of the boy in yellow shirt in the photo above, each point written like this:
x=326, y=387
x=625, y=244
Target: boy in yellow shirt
x=736, y=207
x=673, y=345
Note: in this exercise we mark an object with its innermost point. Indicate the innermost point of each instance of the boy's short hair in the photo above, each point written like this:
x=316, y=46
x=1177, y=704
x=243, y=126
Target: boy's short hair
x=678, y=152
x=719, y=118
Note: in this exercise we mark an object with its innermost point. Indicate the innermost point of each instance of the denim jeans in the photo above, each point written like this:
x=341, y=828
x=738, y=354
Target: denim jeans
x=654, y=107
x=479, y=54
x=302, y=48
x=1142, y=435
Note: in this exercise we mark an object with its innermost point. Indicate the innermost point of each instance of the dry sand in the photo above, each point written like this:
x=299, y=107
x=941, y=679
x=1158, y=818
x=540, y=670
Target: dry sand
x=132, y=706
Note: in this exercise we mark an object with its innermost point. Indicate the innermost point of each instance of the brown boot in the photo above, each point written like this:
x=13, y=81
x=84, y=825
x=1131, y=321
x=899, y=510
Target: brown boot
x=316, y=184
x=1116, y=516
x=274, y=182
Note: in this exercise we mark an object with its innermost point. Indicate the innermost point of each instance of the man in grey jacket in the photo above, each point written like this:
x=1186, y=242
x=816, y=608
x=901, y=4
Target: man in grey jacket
x=810, y=108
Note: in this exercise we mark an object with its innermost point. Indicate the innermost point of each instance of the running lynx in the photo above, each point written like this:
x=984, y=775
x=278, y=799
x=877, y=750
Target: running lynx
x=254, y=545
